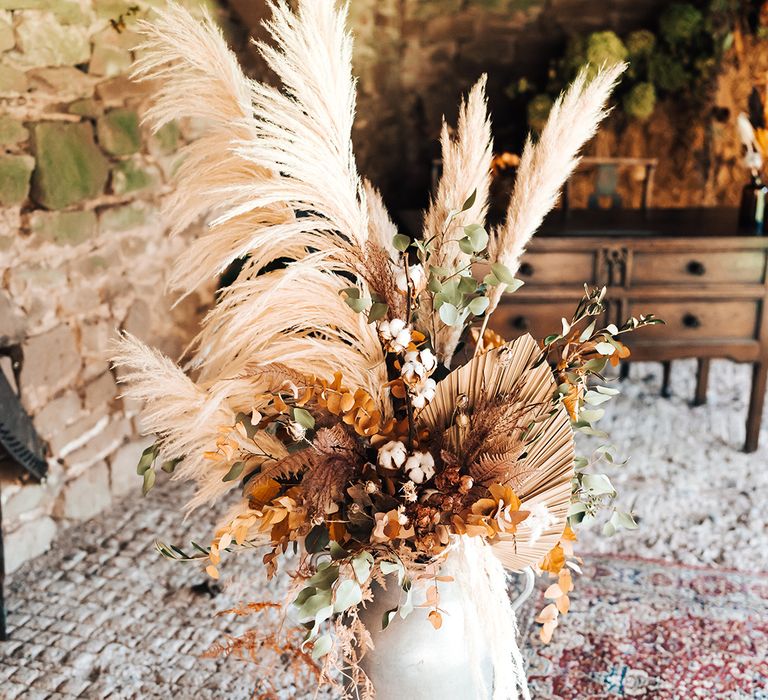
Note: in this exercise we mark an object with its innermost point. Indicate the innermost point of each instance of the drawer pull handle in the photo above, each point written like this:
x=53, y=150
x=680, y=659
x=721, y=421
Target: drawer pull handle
x=691, y=321
x=696, y=268
x=526, y=269
x=521, y=323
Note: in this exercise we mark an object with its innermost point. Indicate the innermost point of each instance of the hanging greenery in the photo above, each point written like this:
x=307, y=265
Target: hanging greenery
x=680, y=57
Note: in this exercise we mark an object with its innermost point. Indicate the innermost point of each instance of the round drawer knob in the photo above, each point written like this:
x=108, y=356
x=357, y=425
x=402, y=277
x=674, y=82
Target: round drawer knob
x=526, y=269
x=691, y=321
x=521, y=323
x=696, y=268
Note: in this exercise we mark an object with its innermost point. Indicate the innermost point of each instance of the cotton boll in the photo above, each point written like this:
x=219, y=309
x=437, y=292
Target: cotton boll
x=392, y=455
x=420, y=467
x=423, y=394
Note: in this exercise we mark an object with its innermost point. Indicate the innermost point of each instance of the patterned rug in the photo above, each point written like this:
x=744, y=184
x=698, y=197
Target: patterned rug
x=651, y=629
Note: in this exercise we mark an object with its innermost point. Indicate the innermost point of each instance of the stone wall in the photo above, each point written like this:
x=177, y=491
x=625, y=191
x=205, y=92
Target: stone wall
x=83, y=250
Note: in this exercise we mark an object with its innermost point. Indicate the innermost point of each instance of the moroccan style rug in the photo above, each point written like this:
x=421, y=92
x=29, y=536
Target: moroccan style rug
x=643, y=628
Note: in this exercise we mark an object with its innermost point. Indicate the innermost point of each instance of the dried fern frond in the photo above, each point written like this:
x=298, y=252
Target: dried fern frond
x=466, y=169
x=547, y=163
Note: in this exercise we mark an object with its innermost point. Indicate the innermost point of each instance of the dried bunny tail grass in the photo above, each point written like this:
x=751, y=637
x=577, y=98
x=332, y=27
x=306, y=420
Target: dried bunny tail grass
x=466, y=169
x=197, y=76
x=546, y=164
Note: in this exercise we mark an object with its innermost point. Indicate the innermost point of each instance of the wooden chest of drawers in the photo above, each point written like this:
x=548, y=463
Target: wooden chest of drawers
x=689, y=267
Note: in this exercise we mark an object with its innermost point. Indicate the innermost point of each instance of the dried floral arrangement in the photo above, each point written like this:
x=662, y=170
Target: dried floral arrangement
x=342, y=382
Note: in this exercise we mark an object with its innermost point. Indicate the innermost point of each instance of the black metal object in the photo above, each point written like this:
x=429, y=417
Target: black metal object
x=19, y=439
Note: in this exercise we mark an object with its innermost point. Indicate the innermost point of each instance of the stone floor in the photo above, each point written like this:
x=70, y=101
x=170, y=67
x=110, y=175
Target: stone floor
x=102, y=615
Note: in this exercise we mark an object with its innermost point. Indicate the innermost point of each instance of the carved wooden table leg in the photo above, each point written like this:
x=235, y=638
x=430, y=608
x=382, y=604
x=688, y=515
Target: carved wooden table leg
x=702, y=380
x=756, y=400
x=667, y=374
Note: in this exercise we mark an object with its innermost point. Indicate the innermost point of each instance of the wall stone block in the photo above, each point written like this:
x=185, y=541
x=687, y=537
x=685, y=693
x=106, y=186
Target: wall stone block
x=86, y=495
x=118, y=132
x=122, y=218
x=58, y=414
x=12, y=131
x=15, y=172
x=65, y=227
x=51, y=362
x=27, y=541
x=12, y=80
x=109, y=61
x=62, y=83
x=12, y=325
x=42, y=40
x=131, y=176
x=7, y=37
x=70, y=167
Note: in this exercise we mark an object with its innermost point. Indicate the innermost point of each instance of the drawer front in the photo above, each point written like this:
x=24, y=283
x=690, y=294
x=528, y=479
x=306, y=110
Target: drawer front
x=698, y=320
x=555, y=268
x=540, y=319
x=743, y=266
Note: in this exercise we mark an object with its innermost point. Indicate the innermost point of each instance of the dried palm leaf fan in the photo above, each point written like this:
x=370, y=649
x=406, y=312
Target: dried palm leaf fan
x=542, y=469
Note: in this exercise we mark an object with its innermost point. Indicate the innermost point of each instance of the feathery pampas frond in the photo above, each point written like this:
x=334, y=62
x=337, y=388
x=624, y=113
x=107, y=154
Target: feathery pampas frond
x=277, y=170
x=466, y=169
x=547, y=163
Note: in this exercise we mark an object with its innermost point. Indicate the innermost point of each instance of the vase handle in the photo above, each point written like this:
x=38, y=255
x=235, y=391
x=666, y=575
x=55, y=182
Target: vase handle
x=530, y=579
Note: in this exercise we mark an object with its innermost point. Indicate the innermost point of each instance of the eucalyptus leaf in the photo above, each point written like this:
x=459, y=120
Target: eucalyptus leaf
x=597, y=484
x=503, y=273
x=322, y=646
x=595, y=398
x=592, y=415
x=491, y=280
x=234, y=471
x=387, y=617
x=467, y=284
x=146, y=459
x=325, y=577
x=337, y=551
x=304, y=595
x=303, y=418
x=449, y=314
x=149, y=481
x=605, y=348
x=586, y=334
x=465, y=245
x=626, y=520
x=469, y=201
x=477, y=236
x=401, y=242
x=607, y=390
x=609, y=530
x=434, y=285
x=478, y=305
x=388, y=567
x=169, y=466
x=357, y=305
x=348, y=594
x=317, y=539
x=378, y=311
x=362, y=565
